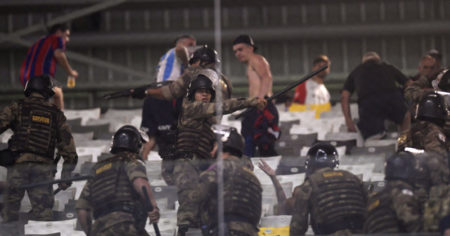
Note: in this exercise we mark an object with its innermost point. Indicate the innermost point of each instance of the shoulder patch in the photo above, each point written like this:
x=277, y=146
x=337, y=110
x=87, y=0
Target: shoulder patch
x=407, y=192
x=332, y=174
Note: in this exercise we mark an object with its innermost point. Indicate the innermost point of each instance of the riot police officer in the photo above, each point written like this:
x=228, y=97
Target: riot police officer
x=39, y=128
x=334, y=199
x=115, y=194
x=196, y=140
x=428, y=134
x=395, y=209
x=242, y=191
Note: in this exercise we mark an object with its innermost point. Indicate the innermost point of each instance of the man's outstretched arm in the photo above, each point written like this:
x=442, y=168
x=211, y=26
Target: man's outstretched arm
x=62, y=60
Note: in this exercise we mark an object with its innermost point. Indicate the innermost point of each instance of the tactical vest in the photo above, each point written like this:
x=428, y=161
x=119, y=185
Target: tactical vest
x=381, y=217
x=111, y=189
x=36, y=130
x=243, y=197
x=337, y=202
x=196, y=141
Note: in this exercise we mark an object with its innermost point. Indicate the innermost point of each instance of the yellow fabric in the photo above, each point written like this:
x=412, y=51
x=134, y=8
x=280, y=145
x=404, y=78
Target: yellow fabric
x=319, y=108
x=275, y=231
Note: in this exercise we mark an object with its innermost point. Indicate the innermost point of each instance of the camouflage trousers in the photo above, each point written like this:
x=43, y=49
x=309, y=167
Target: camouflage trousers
x=41, y=198
x=124, y=228
x=167, y=166
x=118, y=223
x=235, y=228
x=187, y=174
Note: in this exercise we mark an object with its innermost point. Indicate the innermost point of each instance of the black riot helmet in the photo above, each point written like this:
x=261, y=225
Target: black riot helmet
x=127, y=138
x=234, y=144
x=432, y=108
x=206, y=55
x=232, y=141
x=39, y=84
x=401, y=166
x=321, y=155
x=444, y=82
x=201, y=82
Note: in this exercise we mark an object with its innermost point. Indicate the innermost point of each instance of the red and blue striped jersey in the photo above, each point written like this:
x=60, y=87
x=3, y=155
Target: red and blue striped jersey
x=39, y=60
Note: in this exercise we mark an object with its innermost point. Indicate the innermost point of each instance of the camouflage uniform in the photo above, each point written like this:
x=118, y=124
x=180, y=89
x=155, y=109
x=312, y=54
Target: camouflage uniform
x=242, y=196
x=336, y=201
x=39, y=127
x=395, y=209
x=431, y=187
x=415, y=91
x=180, y=86
x=111, y=197
x=430, y=172
x=437, y=207
x=195, y=141
x=431, y=138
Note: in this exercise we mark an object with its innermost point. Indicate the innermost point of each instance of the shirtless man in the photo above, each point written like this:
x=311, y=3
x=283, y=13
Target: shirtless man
x=258, y=69
x=260, y=85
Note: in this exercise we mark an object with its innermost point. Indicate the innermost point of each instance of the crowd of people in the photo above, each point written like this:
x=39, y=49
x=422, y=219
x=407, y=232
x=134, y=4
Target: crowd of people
x=180, y=118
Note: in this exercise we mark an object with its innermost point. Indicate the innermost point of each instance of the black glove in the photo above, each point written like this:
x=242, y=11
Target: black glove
x=139, y=93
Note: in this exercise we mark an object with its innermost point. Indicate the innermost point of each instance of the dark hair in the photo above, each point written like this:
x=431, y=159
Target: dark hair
x=55, y=28
x=246, y=39
x=320, y=59
x=184, y=36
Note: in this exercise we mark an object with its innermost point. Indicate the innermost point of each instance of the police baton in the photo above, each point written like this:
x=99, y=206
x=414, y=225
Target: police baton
x=149, y=207
x=289, y=87
x=140, y=91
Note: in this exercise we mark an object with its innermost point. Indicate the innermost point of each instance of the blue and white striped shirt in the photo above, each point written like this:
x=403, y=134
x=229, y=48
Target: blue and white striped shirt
x=169, y=67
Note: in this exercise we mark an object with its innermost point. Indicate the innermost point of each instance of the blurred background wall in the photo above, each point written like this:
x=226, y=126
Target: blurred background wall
x=120, y=42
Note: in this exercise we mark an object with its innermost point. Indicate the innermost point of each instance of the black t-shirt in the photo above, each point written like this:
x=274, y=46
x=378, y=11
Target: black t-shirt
x=374, y=79
x=159, y=119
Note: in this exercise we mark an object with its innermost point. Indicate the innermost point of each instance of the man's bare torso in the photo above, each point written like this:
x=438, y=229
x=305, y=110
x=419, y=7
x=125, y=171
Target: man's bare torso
x=255, y=82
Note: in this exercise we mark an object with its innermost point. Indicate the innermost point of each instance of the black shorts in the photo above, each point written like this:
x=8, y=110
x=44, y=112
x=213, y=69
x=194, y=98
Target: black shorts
x=374, y=110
